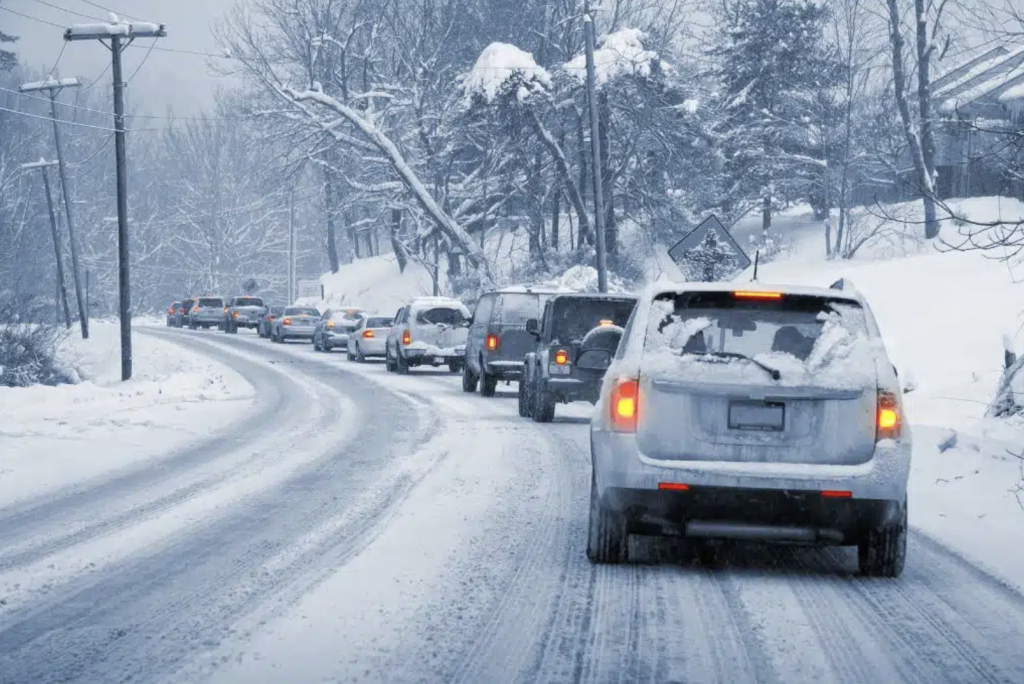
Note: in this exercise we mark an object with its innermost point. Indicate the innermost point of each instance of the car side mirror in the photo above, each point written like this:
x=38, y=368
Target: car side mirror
x=594, y=359
x=533, y=327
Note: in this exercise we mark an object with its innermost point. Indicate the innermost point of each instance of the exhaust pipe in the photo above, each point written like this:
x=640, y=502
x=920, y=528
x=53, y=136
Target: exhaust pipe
x=762, y=533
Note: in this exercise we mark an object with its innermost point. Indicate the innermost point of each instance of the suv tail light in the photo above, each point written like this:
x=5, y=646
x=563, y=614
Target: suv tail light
x=368, y=334
x=888, y=417
x=235, y=314
x=625, y=404
x=406, y=338
x=559, y=364
x=286, y=321
x=195, y=309
x=492, y=343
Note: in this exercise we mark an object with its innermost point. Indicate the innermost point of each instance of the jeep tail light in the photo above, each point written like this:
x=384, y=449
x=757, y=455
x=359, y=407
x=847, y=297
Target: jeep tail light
x=561, y=357
x=889, y=422
x=406, y=338
x=492, y=343
x=286, y=321
x=368, y=334
x=625, y=404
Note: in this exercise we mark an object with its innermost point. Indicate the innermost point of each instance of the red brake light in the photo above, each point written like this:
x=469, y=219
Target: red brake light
x=492, y=342
x=195, y=309
x=368, y=334
x=286, y=321
x=406, y=338
x=625, y=405
x=235, y=314
x=836, y=494
x=561, y=358
x=673, y=486
x=754, y=294
x=888, y=422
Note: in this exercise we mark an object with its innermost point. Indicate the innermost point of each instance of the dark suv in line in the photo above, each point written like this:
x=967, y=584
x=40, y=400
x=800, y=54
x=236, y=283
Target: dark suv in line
x=498, y=341
x=570, y=325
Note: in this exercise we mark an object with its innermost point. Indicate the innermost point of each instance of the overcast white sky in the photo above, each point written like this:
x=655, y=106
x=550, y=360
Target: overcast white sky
x=181, y=81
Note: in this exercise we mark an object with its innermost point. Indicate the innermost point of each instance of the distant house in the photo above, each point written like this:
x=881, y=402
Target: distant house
x=980, y=101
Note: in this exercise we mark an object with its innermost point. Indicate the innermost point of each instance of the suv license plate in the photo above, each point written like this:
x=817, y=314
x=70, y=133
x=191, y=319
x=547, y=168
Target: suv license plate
x=757, y=415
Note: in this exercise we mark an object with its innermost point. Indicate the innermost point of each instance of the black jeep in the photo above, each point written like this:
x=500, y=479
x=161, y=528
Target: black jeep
x=571, y=324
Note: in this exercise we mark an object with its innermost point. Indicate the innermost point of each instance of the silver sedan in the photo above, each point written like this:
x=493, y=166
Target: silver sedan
x=370, y=338
x=296, y=323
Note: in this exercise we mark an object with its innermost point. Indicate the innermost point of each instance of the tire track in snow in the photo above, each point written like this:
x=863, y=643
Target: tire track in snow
x=189, y=592
x=27, y=529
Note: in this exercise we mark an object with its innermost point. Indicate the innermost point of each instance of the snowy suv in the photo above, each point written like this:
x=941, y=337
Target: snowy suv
x=762, y=414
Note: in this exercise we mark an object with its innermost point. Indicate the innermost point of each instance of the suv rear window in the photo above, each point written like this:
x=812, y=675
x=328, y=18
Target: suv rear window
x=247, y=301
x=722, y=324
x=572, y=318
x=440, y=314
x=211, y=303
x=517, y=308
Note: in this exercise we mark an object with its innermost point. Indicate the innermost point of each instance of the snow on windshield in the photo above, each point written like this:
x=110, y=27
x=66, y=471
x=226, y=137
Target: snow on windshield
x=809, y=340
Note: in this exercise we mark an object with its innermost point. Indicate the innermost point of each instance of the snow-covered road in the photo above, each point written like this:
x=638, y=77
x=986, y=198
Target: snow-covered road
x=358, y=526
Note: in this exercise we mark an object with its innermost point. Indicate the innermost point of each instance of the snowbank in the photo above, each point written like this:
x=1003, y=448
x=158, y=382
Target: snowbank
x=375, y=284
x=52, y=437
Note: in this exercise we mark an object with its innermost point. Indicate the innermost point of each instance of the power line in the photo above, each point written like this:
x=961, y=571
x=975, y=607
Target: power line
x=96, y=80
x=22, y=14
x=129, y=116
x=183, y=52
x=107, y=9
x=64, y=9
x=145, y=57
x=75, y=123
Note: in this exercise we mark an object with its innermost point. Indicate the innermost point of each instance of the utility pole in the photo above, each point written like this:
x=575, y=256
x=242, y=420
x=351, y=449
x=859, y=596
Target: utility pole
x=52, y=87
x=291, y=247
x=43, y=165
x=120, y=35
x=595, y=146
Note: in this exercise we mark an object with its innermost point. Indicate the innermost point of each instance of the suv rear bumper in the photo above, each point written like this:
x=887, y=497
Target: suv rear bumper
x=504, y=369
x=765, y=515
x=618, y=464
x=572, y=389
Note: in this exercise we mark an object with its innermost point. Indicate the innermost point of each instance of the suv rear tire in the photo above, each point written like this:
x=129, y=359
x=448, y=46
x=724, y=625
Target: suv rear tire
x=608, y=533
x=883, y=552
x=469, y=380
x=524, y=394
x=488, y=382
x=542, y=404
x=401, y=365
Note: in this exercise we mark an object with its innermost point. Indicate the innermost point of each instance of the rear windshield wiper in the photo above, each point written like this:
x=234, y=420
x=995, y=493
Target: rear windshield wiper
x=774, y=372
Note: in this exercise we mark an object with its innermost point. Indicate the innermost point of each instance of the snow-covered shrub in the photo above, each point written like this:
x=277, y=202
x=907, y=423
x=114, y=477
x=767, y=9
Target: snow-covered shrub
x=28, y=356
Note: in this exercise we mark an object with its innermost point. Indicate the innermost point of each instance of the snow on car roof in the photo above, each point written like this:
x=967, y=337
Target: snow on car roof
x=545, y=289
x=661, y=287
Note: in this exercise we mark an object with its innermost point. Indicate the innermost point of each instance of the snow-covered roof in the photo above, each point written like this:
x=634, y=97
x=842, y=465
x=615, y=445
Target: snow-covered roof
x=497, y=64
x=620, y=53
x=991, y=77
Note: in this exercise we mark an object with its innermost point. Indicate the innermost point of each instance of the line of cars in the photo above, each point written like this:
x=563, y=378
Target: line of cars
x=721, y=413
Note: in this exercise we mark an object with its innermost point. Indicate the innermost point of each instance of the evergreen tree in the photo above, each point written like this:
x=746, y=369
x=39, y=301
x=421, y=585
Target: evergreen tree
x=710, y=261
x=774, y=68
x=8, y=60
